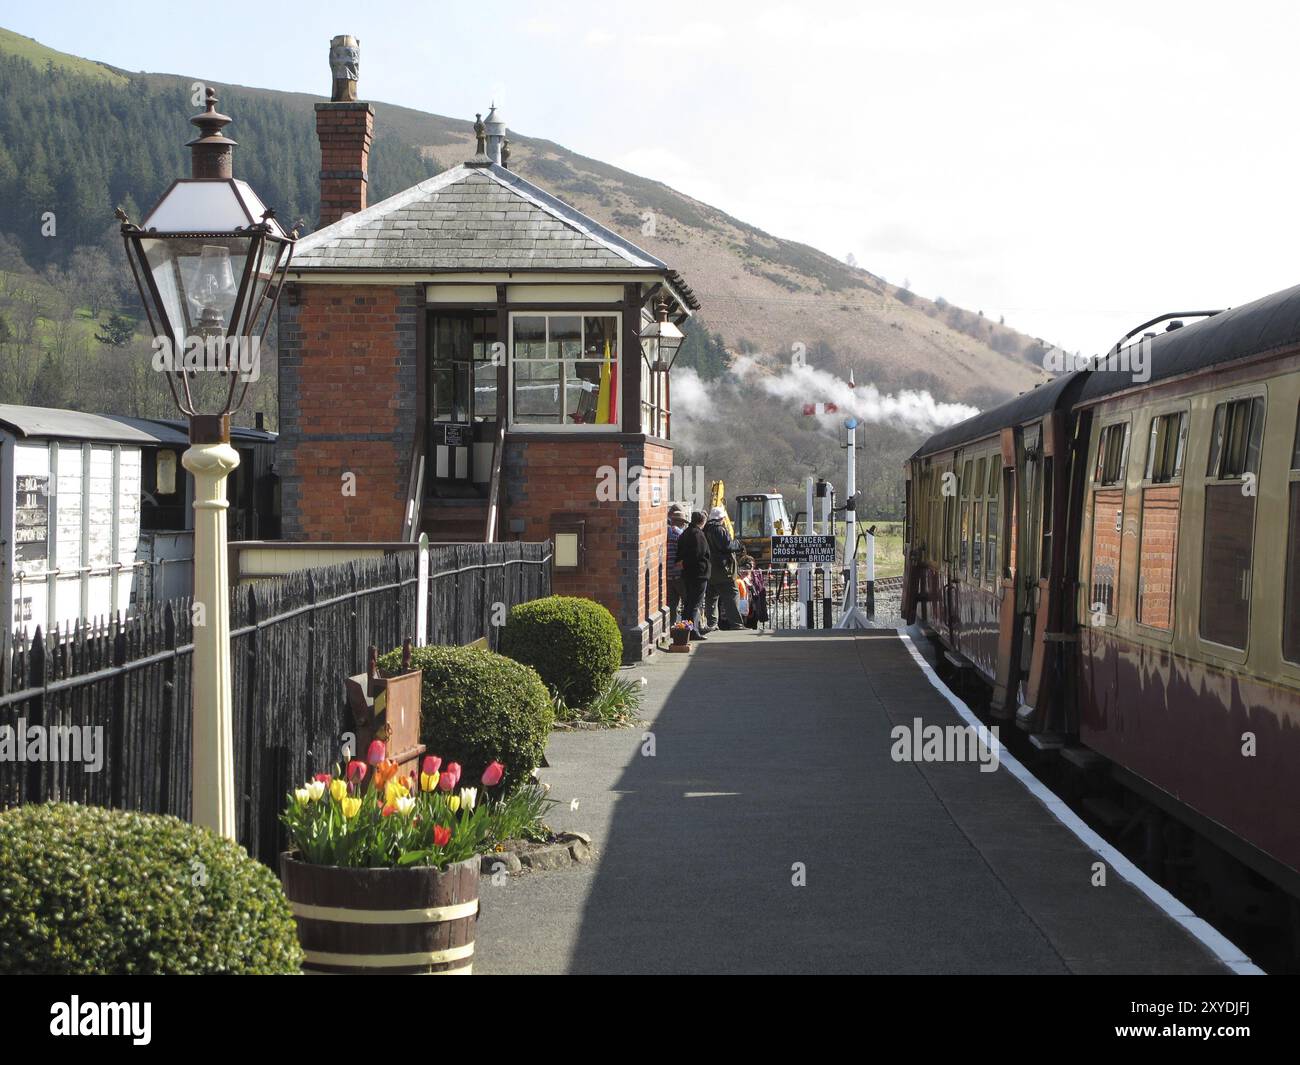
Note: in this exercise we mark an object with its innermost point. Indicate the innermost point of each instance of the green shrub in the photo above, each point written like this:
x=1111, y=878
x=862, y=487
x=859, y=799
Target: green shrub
x=477, y=707
x=87, y=890
x=574, y=644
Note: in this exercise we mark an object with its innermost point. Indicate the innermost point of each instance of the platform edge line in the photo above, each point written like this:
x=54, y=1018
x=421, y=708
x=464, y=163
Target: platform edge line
x=1198, y=928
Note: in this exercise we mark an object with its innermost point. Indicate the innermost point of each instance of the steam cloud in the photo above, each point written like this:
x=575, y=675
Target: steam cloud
x=696, y=401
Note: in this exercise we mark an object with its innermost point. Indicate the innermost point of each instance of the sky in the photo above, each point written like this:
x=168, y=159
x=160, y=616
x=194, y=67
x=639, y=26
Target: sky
x=1075, y=167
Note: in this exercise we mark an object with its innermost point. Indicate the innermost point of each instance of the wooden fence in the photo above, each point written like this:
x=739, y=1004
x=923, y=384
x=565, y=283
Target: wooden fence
x=115, y=695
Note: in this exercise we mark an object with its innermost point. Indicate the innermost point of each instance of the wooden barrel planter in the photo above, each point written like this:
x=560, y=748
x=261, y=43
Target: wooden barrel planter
x=407, y=921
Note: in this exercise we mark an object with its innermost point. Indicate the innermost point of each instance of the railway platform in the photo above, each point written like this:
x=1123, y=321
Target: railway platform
x=812, y=803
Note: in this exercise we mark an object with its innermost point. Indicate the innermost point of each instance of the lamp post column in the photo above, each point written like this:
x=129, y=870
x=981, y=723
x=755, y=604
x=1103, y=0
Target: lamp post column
x=210, y=459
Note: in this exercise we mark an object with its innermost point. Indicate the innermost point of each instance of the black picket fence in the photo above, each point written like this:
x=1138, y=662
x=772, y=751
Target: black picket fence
x=115, y=695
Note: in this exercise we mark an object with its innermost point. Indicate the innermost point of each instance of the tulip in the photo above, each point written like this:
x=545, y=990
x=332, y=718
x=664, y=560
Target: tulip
x=428, y=781
x=338, y=790
x=388, y=810
x=432, y=763
x=453, y=802
x=441, y=836
x=405, y=804
x=468, y=797
x=376, y=753
x=301, y=794
x=351, y=806
x=447, y=779
x=357, y=771
x=315, y=790
x=492, y=775
x=324, y=778
x=453, y=768
x=394, y=789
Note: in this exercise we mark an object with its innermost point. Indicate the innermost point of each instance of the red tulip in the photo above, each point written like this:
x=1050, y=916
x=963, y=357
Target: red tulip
x=376, y=753
x=357, y=770
x=432, y=763
x=441, y=836
x=446, y=780
x=492, y=774
x=388, y=810
x=324, y=778
x=453, y=770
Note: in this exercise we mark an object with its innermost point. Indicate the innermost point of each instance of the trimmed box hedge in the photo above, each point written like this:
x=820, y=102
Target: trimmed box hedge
x=87, y=890
x=574, y=644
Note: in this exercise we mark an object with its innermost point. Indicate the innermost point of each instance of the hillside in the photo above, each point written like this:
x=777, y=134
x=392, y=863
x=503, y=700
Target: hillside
x=78, y=137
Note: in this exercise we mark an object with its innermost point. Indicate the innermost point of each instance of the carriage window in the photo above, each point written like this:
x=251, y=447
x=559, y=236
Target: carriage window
x=1166, y=447
x=1226, y=564
x=1045, y=558
x=1112, y=454
x=1236, y=438
x=1107, y=524
x=1158, y=557
x=991, y=541
x=1291, y=602
x=967, y=474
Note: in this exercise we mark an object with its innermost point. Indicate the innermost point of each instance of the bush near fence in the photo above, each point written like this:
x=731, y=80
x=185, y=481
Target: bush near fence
x=293, y=641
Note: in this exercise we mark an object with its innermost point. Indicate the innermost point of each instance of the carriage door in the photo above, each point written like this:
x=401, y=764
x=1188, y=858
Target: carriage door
x=462, y=400
x=1027, y=590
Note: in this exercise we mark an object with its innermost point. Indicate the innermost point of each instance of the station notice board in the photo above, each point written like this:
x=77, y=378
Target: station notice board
x=814, y=549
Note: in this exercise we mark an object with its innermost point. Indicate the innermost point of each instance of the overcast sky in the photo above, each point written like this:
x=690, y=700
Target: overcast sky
x=1076, y=167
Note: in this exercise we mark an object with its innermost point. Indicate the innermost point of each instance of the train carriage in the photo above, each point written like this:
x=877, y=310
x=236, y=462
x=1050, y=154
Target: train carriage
x=1117, y=554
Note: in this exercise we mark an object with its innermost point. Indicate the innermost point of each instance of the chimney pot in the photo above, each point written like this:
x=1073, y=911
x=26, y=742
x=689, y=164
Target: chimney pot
x=345, y=128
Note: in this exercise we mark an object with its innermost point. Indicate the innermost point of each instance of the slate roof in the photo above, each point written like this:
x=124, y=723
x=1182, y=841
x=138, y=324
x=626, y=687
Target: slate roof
x=470, y=218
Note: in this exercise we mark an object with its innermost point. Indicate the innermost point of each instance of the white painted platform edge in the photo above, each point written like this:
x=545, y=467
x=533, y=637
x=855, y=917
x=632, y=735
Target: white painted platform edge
x=1214, y=941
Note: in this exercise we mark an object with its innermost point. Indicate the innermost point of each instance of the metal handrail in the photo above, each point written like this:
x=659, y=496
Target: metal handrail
x=494, y=491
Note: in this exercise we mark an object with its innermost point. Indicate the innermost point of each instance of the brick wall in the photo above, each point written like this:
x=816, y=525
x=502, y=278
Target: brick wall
x=623, y=537
x=347, y=406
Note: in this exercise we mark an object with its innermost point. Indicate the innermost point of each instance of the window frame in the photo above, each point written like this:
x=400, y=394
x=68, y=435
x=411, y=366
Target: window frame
x=1176, y=479
x=1213, y=478
x=616, y=364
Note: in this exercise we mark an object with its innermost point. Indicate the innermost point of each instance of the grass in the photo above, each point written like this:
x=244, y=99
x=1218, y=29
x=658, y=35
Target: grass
x=615, y=707
x=38, y=55
x=889, y=547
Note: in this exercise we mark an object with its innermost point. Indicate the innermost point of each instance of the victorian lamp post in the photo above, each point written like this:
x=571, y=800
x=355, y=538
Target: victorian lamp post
x=209, y=261
x=660, y=342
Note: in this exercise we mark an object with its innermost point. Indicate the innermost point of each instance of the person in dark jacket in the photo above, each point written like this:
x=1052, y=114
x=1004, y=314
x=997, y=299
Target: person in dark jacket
x=722, y=607
x=693, y=563
x=676, y=591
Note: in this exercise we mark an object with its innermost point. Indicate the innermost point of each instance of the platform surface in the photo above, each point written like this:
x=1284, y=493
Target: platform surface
x=773, y=750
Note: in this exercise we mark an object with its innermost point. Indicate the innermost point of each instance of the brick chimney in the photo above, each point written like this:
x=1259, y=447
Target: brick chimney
x=345, y=128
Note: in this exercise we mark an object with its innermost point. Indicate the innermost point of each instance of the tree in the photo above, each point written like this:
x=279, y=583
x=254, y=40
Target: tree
x=118, y=332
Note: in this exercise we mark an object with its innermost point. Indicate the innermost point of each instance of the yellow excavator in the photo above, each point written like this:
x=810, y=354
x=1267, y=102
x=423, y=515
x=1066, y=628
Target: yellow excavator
x=760, y=516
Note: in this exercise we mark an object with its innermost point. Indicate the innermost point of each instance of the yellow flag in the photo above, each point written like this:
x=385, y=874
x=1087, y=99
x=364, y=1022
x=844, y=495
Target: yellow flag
x=602, y=398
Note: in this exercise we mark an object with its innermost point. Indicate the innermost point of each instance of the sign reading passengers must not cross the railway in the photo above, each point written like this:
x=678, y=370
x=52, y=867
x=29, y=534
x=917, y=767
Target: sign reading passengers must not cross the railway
x=815, y=549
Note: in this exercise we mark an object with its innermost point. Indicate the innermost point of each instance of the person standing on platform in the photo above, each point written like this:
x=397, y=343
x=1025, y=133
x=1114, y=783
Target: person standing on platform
x=693, y=561
x=676, y=590
x=723, y=604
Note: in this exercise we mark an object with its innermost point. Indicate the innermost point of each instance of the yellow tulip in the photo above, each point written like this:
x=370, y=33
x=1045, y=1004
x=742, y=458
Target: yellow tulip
x=394, y=790
x=301, y=794
x=453, y=801
x=350, y=807
x=338, y=790
x=428, y=781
